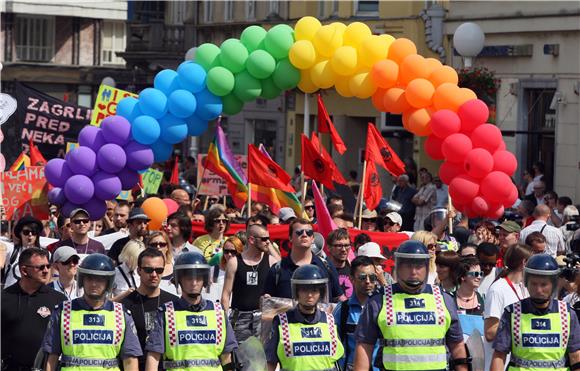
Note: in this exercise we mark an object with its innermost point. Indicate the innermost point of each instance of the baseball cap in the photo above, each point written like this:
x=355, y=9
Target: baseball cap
x=63, y=254
x=510, y=226
x=368, y=214
x=138, y=214
x=78, y=211
x=286, y=213
x=395, y=218
x=370, y=249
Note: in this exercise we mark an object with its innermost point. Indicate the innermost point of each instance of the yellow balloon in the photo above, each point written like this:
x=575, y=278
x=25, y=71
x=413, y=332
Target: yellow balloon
x=373, y=49
x=344, y=61
x=322, y=75
x=306, y=28
x=306, y=85
x=355, y=33
x=342, y=86
x=302, y=54
x=362, y=85
x=339, y=26
x=388, y=38
x=327, y=39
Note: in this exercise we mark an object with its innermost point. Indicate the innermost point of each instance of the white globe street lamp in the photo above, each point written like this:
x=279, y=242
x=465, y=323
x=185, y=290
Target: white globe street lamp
x=109, y=81
x=468, y=40
x=190, y=55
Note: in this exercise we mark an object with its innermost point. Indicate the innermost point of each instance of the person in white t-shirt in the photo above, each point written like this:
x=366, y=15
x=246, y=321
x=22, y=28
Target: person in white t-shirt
x=507, y=289
x=487, y=255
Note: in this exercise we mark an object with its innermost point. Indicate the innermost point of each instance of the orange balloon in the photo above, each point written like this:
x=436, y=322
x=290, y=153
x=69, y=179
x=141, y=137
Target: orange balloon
x=442, y=75
x=419, y=93
x=413, y=66
x=395, y=101
x=448, y=96
x=467, y=94
x=401, y=48
x=155, y=209
x=418, y=122
x=385, y=73
x=155, y=225
x=433, y=64
x=378, y=100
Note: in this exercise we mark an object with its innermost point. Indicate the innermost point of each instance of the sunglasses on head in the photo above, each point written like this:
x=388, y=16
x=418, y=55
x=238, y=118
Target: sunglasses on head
x=230, y=252
x=79, y=221
x=39, y=267
x=474, y=274
x=300, y=232
x=150, y=270
x=158, y=244
x=73, y=259
x=29, y=232
x=363, y=277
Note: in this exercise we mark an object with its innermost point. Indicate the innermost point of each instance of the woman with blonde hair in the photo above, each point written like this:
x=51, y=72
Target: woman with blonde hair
x=232, y=248
x=126, y=277
x=429, y=239
x=161, y=241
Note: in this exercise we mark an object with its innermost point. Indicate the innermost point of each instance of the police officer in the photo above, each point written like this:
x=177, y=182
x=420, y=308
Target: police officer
x=192, y=332
x=305, y=338
x=540, y=332
x=413, y=321
x=92, y=332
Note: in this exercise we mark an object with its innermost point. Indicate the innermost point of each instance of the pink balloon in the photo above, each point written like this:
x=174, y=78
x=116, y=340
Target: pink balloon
x=172, y=206
x=479, y=205
x=455, y=147
x=433, y=147
x=487, y=136
x=496, y=186
x=450, y=170
x=472, y=114
x=505, y=162
x=444, y=123
x=478, y=163
x=463, y=189
x=495, y=213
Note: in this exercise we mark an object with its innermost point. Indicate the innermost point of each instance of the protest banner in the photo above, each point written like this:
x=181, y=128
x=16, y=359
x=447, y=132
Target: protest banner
x=152, y=180
x=212, y=184
x=24, y=192
x=106, y=103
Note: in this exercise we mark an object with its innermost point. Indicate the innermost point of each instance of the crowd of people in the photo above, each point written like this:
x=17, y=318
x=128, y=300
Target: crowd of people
x=111, y=293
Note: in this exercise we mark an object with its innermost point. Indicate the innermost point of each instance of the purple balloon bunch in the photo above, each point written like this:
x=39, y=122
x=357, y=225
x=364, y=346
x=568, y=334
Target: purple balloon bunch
x=106, y=162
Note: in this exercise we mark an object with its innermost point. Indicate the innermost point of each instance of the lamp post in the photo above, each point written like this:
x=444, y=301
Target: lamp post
x=468, y=40
x=109, y=81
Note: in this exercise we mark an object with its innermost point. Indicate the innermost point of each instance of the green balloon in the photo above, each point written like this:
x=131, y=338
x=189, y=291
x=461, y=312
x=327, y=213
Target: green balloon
x=207, y=56
x=231, y=104
x=233, y=55
x=260, y=64
x=220, y=81
x=279, y=40
x=247, y=88
x=286, y=76
x=253, y=38
x=269, y=89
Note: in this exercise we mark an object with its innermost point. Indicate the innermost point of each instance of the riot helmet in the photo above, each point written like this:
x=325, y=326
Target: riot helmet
x=309, y=277
x=191, y=264
x=96, y=265
x=545, y=266
x=413, y=253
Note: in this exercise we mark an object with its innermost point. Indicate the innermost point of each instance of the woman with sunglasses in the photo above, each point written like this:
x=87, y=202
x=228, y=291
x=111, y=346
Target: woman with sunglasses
x=65, y=261
x=446, y=263
x=428, y=239
x=232, y=248
x=216, y=224
x=160, y=241
x=469, y=275
x=26, y=235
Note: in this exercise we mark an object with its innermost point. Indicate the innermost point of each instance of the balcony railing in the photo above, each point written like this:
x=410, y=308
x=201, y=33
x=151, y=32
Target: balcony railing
x=150, y=37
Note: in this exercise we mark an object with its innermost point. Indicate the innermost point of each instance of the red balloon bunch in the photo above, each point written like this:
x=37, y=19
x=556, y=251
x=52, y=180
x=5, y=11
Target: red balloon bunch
x=477, y=167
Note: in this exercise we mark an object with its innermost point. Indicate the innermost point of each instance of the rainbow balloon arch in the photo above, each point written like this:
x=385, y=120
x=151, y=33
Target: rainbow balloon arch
x=262, y=64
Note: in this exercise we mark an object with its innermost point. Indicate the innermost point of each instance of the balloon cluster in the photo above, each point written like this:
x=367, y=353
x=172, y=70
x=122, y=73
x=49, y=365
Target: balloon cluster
x=477, y=166
x=106, y=162
x=255, y=66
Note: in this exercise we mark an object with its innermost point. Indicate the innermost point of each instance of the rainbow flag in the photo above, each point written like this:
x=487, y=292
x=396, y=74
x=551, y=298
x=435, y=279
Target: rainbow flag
x=21, y=163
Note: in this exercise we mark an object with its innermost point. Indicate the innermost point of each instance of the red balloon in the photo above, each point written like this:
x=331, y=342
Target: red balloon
x=472, y=114
x=511, y=200
x=463, y=189
x=505, y=162
x=450, y=170
x=455, y=147
x=487, y=136
x=172, y=206
x=433, y=147
x=444, y=123
x=478, y=163
x=502, y=146
x=479, y=205
x=496, y=186
x=469, y=212
x=495, y=213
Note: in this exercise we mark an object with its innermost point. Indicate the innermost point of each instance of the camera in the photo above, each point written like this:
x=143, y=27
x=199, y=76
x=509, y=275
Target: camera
x=573, y=226
x=570, y=271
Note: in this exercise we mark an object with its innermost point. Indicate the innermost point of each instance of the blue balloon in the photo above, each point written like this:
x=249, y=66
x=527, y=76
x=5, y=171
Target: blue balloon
x=173, y=129
x=167, y=81
x=209, y=106
x=191, y=76
x=182, y=103
x=152, y=102
x=145, y=130
x=162, y=151
x=128, y=108
x=196, y=126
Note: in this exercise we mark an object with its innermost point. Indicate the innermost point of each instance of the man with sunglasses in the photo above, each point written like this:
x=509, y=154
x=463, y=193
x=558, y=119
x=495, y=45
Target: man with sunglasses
x=26, y=309
x=66, y=260
x=80, y=221
x=347, y=313
x=144, y=302
x=309, y=209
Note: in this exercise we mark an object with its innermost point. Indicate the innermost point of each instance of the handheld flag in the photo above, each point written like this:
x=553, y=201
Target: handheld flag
x=21, y=163
x=36, y=158
x=264, y=171
x=314, y=165
x=325, y=125
x=336, y=174
x=175, y=172
x=373, y=190
x=380, y=152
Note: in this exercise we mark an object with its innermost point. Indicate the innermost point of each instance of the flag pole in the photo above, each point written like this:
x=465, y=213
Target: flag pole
x=449, y=208
x=303, y=188
x=249, y=203
x=361, y=194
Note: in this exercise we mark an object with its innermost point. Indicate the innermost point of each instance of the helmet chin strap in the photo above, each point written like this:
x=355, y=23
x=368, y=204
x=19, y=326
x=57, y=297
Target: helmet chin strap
x=96, y=297
x=413, y=286
x=539, y=301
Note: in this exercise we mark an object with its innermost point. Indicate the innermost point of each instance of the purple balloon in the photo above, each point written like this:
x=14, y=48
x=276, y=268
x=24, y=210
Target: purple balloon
x=139, y=156
x=79, y=189
x=96, y=208
x=82, y=160
x=68, y=207
x=107, y=186
x=129, y=178
x=56, y=196
x=57, y=172
x=111, y=158
x=116, y=129
x=92, y=137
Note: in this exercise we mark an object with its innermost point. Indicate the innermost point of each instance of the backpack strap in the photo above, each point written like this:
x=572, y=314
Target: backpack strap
x=277, y=271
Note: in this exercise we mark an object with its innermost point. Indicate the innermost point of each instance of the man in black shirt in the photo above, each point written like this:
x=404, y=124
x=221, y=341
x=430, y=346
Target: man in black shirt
x=143, y=302
x=26, y=309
